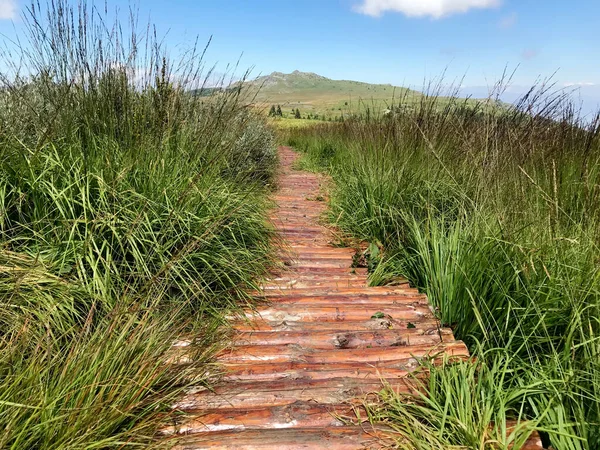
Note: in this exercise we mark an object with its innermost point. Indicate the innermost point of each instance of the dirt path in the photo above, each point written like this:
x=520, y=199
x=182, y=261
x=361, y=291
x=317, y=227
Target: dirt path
x=324, y=340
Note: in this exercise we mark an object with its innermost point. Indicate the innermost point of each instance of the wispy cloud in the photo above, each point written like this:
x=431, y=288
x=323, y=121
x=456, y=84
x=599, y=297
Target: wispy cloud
x=580, y=83
x=508, y=21
x=8, y=9
x=423, y=8
x=529, y=53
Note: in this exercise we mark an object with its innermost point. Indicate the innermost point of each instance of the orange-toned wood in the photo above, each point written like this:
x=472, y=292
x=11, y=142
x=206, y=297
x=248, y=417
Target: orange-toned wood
x=254, y=394
x=297, y=370
x=337, y=438
x=330, y=339
x=360, y=292
x=319, y=312
x=295, y=415
x=281, y=353
x=372, y=324
x=335, y=299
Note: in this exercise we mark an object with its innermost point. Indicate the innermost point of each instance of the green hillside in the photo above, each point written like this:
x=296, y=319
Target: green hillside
x=314, y=94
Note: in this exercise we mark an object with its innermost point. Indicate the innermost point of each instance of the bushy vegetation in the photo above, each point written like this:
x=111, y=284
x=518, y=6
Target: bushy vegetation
x=494, y=212
x=131, y=212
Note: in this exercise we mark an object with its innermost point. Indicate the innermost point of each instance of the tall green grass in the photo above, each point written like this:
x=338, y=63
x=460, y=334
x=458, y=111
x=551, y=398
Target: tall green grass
x=493, y=211
x=132, y=211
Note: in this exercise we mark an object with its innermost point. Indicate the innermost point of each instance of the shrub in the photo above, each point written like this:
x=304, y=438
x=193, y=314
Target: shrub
x=254, y=153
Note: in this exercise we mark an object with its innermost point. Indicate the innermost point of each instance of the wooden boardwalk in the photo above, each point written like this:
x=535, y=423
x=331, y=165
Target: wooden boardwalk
x=323, y=340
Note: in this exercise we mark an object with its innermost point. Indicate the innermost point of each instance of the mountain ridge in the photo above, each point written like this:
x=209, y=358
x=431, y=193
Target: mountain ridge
x=316, y=95
x=298, y=76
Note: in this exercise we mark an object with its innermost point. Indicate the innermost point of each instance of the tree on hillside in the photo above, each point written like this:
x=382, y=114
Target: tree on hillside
x=272, y=112
x=279, y=113
x=297, y=114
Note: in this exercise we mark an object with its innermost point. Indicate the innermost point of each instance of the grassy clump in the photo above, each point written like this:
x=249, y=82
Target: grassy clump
x=494, y=213
x=459, y=406
x=131, y=211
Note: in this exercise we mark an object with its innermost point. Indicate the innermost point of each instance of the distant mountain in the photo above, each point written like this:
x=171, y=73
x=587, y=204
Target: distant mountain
x=291, y=81
x=315, y=94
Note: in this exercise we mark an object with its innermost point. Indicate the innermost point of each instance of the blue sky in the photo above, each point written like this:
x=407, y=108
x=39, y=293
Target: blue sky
x=401, y=42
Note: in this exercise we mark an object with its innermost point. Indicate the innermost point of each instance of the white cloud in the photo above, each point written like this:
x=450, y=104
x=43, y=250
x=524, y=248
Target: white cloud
x=423, y=8
x=8, y=9
x=509, y=21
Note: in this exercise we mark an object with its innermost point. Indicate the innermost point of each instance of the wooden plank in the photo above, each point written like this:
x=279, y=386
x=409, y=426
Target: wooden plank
x=348, y=325
x=330, y=339
x=281, y=353
x=349, y=312
x=255, y=394
x=332, y=438
x=297, y=370
x=366, y=299
x=295, y=415
x=361, y=291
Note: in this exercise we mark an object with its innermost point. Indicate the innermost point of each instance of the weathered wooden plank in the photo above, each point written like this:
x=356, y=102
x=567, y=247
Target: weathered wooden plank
x=347, y=325
x=332, y=438
x=348, y=312
x=366, y=299
x=295, y=415
x=281, y=353
x=297, y=370
x=361, y=291
x=329, y=339
x=255, y=394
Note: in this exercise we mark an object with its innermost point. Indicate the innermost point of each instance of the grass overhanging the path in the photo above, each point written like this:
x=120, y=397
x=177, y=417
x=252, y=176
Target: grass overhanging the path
x=132, y=211
x=494, y=213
